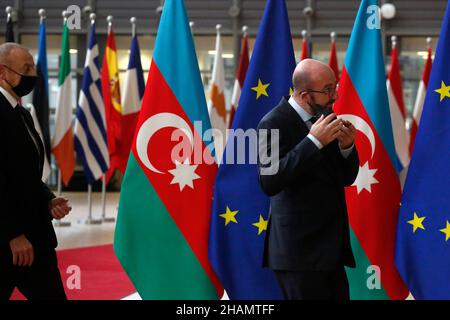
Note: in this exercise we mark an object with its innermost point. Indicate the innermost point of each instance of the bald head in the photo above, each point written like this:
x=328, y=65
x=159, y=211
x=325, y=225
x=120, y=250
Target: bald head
x=10, y=50
x=310, y=74
x=15, y=62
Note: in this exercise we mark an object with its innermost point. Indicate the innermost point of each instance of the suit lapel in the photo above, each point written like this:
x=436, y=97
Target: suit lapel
x=299, y=129
x=36, y=137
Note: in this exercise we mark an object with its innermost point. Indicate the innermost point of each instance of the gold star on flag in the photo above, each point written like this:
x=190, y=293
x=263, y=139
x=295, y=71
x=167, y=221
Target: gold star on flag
x=446, y=230
x=261, y=225
x=261, y=89
x=444, y=91
x=229, y=216
x=417, y=222
x=291, y=91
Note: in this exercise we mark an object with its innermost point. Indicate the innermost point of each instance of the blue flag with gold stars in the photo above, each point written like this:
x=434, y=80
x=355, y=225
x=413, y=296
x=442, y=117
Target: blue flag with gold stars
x=423, y=231
x=240, y=209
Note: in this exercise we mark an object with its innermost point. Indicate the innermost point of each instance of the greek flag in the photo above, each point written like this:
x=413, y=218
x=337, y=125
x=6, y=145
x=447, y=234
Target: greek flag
x=90, y=124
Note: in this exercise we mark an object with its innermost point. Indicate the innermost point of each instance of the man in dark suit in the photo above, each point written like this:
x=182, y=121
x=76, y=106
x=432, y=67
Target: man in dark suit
x=27, y=238
x=307, y=242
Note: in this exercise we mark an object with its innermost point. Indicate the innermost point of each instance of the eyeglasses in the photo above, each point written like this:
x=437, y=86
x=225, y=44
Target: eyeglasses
x=328, y=91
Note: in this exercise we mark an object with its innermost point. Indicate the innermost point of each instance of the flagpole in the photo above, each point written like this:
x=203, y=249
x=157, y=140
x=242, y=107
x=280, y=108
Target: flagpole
x=133, y=26
x=333, y=36
x=109, y=19
x=394, y=41
x=191, y=26
x=104, y=218
x=9, y=11
x=90, y=219
x=57, y=223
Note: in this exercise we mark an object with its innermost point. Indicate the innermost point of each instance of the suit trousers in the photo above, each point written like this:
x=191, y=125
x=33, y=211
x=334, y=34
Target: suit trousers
x=40, y=281
x=314, y=285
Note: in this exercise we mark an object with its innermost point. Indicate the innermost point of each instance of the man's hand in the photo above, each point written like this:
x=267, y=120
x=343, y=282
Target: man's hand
x=59, y=207
x=326, y=129
x=346, y=135
x=22, y=251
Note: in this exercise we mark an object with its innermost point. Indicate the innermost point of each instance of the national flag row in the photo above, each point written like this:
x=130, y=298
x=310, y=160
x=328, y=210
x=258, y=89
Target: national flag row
x=121, y=114
x=113, y=114
x=189, y=229
x=105, y=121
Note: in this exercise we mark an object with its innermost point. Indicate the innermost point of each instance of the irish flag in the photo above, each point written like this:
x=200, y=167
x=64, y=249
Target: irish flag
x=162, y=230
x=374, y=198
x=63, y=147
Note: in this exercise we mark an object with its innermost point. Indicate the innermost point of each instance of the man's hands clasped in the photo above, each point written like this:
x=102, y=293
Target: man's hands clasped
x=326, y=129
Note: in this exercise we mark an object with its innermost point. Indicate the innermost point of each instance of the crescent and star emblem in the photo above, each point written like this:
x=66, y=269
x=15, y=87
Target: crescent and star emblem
x=366, y=175
x=183, y=173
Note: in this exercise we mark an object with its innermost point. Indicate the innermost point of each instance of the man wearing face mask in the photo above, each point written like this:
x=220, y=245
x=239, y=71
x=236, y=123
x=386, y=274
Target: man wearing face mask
x=27, y=238
x=307, y=243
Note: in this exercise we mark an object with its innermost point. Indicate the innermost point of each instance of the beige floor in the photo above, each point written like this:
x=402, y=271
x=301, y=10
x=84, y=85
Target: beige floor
x=80, y=234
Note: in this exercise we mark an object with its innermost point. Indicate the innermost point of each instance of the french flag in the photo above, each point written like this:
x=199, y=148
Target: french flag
x=134, y=87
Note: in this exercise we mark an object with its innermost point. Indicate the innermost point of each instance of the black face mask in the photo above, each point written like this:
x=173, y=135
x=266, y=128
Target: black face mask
x=25, y=85
x=320, y=110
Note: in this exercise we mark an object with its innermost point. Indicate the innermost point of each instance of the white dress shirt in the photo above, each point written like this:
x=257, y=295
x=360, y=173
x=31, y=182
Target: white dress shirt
x=306, y=117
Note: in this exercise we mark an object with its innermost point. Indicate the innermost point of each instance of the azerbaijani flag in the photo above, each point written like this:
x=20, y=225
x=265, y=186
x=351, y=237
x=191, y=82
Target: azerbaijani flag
x=162, y=230
x=374, y=198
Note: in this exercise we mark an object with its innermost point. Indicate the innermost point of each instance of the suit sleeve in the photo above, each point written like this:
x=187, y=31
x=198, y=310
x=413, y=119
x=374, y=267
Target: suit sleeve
x=278, y=169
x=11, y=214
x=350, y=166
x=46, y=193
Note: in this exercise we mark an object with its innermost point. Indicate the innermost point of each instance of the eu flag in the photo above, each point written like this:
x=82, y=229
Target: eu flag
x=240, y=209
x=423, y=231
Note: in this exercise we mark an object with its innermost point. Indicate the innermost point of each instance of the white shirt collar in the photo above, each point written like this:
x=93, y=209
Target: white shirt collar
x=301, y=112
x=12, y=101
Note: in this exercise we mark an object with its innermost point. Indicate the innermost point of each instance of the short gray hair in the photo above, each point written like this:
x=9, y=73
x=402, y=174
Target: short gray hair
x=6, y=48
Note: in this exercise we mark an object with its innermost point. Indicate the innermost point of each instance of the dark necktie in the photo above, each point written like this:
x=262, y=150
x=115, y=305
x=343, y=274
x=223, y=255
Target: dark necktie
x=313, y=119
x=30, y=128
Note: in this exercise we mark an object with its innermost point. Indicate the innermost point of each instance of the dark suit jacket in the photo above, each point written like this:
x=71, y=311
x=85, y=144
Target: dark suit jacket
x=308, y=223
x=23, y=196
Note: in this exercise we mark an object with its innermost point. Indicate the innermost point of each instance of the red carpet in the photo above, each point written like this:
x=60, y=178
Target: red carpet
x=102, y=276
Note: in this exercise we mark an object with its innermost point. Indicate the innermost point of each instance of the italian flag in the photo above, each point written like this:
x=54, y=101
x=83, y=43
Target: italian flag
x=162, y=230
x=62, y=144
